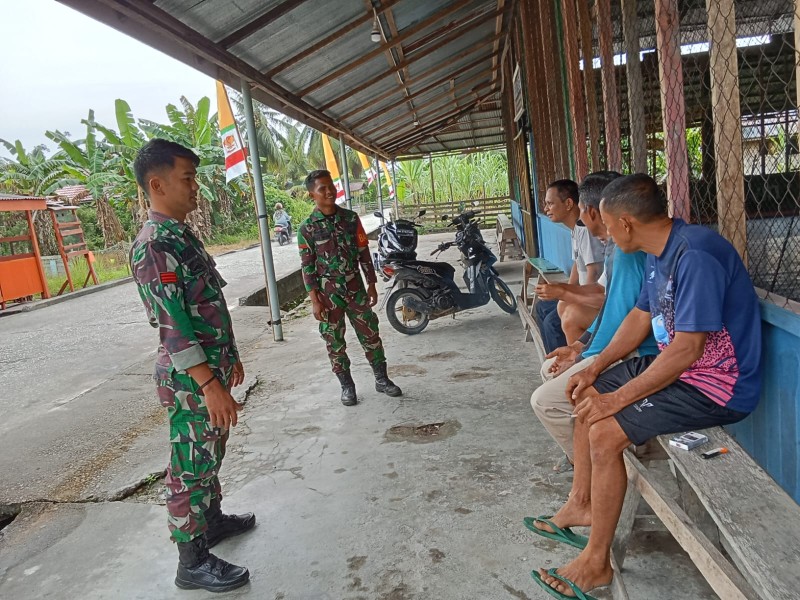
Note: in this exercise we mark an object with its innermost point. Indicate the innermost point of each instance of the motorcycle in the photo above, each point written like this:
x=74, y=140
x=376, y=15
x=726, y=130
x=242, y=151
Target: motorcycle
x=283, y=234
x=427, y=290
x=397, y=242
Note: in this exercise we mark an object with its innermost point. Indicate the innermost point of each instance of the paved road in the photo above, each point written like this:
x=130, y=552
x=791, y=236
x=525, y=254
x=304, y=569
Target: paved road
x=50, y=356
x=76, y=389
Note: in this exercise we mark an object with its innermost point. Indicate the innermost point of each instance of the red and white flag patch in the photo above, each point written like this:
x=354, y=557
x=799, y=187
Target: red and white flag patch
x=168, y=277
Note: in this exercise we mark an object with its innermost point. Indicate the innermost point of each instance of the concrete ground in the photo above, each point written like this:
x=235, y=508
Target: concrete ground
x=351, y=502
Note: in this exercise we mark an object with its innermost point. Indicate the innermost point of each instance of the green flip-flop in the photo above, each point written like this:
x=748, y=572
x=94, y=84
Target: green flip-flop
x=565, y=535
x=579, y=594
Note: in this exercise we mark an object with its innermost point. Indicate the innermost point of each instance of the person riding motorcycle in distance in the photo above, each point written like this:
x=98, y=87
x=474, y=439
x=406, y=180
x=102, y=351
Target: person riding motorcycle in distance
x=282, y=218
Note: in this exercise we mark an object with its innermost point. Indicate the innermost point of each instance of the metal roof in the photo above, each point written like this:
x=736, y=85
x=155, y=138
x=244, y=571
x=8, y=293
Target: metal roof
x=431, y=85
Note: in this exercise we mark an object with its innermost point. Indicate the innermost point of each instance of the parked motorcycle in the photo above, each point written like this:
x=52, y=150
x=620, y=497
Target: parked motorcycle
x=427, y=290
x=397, y=241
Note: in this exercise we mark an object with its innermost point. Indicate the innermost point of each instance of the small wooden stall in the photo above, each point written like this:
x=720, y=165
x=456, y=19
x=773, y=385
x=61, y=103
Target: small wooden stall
x=21, y=271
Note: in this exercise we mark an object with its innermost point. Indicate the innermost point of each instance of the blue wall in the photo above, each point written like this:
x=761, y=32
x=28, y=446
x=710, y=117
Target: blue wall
x=772, y=433
x=554, y=243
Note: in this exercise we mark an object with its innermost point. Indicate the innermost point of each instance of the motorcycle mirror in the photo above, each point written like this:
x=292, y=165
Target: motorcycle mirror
x=378, y=214
x=445, y=217
x=422, y=212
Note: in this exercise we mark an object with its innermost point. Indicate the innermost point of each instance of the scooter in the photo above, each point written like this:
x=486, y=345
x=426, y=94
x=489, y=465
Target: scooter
x=283, y=234
x=427, y=290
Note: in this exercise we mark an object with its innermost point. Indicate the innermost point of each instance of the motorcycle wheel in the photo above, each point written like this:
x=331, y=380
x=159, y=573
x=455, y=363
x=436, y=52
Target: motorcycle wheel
x=502, y=295
x=282, y=240
x=404, y=319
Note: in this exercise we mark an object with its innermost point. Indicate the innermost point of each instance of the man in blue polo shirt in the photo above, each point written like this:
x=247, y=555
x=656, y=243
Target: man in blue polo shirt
x=700, y=304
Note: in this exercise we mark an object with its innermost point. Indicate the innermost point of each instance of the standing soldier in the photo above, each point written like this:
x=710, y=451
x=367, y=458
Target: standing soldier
x=196, y=366
x=332, y=244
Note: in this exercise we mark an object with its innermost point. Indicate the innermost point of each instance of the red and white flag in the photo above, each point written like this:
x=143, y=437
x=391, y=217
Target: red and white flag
x=235, y=154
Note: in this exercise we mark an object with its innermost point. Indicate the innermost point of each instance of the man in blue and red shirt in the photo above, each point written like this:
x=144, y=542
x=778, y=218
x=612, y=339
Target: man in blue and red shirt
x=699, y=303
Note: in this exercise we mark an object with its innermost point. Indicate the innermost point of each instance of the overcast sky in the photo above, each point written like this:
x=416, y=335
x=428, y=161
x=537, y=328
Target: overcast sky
x=57, y=63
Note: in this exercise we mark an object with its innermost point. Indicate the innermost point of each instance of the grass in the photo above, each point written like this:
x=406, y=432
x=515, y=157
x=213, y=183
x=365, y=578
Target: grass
x=107, y=267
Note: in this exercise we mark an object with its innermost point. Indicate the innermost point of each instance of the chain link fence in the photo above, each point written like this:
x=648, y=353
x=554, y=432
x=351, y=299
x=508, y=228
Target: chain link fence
x=707, y=96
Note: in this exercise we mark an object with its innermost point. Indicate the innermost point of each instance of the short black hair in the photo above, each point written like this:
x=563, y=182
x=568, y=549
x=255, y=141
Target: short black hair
x=566, y=188
x=156, y=154
x=637, y=195
x=592, y=186
x=314, y=175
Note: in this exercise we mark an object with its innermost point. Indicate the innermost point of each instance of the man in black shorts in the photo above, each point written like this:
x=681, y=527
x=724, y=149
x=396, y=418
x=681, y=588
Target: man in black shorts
x=699, y=302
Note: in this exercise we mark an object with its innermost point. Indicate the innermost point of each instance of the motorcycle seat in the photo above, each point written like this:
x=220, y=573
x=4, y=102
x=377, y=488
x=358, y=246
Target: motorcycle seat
x=442, y=269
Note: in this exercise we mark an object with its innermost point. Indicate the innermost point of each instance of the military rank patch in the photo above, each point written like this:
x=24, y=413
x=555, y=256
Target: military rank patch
x=168, y=277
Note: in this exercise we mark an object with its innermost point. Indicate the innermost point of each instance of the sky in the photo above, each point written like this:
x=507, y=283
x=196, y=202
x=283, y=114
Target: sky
x=57, y=63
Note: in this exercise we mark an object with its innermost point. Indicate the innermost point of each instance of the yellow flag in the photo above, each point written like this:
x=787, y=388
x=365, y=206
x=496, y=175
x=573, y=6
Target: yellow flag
x=330, y=164
x=367, y=166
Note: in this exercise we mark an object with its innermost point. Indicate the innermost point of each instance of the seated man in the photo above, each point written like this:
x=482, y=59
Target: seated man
x=569, y=308
x=703, y=310
x=622, y=278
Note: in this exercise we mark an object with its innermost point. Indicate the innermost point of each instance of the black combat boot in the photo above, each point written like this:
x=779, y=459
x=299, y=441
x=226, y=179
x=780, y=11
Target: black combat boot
x=198, y=569
x=221, y=526
x=383, y=383
x=348, y=388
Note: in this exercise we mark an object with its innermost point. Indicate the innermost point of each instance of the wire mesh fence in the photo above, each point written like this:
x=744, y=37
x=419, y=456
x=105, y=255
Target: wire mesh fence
x=707, y=96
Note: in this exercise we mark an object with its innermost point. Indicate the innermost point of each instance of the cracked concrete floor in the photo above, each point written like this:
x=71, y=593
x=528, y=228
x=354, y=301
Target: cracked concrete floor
x=346, y=510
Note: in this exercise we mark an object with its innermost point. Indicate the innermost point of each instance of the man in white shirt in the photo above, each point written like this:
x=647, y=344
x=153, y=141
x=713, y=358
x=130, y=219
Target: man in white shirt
x=569, y=308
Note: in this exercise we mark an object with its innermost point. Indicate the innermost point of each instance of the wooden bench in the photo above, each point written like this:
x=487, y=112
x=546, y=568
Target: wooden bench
x=507, y=239
x=740, y=529
x=535, y=270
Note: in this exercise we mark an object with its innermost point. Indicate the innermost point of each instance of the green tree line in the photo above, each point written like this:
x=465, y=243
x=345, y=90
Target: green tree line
x=101, y=159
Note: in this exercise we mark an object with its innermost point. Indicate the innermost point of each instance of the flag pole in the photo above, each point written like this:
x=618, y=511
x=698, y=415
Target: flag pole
x=266, y=247
x=345, y=174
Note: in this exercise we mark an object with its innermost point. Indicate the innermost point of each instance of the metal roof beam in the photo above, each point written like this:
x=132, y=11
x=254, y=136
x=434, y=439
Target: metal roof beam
x=373, y=101
x=354, y=24
x=259, y=23
x=399, y=145
x=435, y=127
x=433, y=100
x=367, y=84
x=408, y=33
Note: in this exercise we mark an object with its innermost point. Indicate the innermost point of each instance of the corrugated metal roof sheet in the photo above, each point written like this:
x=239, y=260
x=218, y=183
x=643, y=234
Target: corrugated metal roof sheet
x=315, y=62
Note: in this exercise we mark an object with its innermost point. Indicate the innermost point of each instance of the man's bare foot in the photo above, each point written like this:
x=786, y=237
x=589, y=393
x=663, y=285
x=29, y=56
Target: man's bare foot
x=585, y=572
x=573, y=514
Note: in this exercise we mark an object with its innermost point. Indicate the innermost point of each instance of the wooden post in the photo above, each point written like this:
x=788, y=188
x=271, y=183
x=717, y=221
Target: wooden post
x=673, y=110
x=729, y=169
x=554, y=87
x=37, y=254
x=593, y=119
x=635, y=88
x=610, y=103
x=539, y=113
x=577, y=102
x=433, y=184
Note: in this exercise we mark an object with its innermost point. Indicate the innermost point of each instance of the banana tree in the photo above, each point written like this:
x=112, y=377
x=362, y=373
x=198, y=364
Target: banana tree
x=92, y=163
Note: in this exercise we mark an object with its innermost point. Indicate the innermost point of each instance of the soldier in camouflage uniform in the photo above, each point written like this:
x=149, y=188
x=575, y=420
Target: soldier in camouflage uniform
x=332, y=245
x=196, y=365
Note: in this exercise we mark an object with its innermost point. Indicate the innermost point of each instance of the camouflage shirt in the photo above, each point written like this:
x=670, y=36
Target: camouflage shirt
x=331, y=249
x=182, y=293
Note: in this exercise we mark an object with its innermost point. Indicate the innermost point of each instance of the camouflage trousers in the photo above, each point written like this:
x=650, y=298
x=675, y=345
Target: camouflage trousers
x=365, y=323
x=197, y=450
